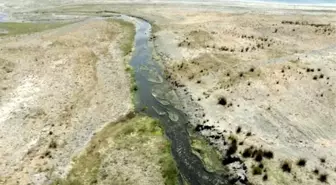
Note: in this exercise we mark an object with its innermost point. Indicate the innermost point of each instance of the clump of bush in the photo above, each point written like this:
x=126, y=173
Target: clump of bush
x=268, y=154
x=301, y=162
x=256, y=170
x=222, y=101
x=286, y=167
x=238, y=130
x=323, y=178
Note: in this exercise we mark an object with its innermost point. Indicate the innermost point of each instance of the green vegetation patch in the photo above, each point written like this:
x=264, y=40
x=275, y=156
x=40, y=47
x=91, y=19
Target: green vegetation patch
x=13, y=28
x=129, y=32
x=140, y=140
x=208, y=154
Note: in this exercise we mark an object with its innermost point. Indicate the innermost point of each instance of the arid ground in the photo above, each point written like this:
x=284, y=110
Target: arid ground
x=66, y=110
x=257, y=81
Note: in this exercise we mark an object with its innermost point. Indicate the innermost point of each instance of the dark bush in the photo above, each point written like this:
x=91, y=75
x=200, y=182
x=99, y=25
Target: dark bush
x=261, y=165
x=222, y=101
x=241, y=74
x=321, y=75
x=248, y=134
x=230, y=159
x=238, y=130
x=315, y=77
x=316, y=171
x=301, y=162
x=286, y=167
x=53, y=144
x=247, y=153
x=265, y=177
x=259, y=156
x=323, y=177
x=323, y=160
x=256, y=170
x=232, y=149
x=251, y=69
x=268, y=154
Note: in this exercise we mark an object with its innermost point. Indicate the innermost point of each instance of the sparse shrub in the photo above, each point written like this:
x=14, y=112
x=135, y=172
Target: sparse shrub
x=268, y=154
x=247, y=153
x=248, y=134
x=232, y=149
x=318, y=69
x=316, y=171
x=308, y=70
x=248, y=83
x=198, y=81
x=241, y=74
x=261, y=165
x=286, y=166
x=222, y=101
x=321, y=75
x=135, y=87
x=53, y=144
x=282, y=70
x=238, y=130
x=241, y=143
x=251, y=69
x=301, y=162
x=259, y=156
x=256, y=170
x=323, y=160
x=315, y=77
x=323, y=177
x=265, y=177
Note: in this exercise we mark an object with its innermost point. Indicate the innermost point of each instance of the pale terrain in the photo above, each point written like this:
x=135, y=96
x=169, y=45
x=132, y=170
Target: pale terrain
x=278, y=79
x=57, y=88
x=274, y=65
x=276, y=72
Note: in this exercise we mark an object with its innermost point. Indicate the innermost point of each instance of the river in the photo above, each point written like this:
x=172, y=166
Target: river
x=160, y=100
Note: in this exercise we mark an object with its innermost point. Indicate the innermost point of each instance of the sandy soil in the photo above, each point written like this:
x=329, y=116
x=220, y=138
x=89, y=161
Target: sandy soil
x=276, y=73
x=57, y=88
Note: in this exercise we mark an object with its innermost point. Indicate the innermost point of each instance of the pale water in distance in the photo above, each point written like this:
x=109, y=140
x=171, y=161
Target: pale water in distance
x=331, y=2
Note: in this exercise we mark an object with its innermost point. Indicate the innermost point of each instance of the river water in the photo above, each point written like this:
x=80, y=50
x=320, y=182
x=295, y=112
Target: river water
x=161, y=101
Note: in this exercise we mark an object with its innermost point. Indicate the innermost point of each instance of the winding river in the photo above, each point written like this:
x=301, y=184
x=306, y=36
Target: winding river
x=161, y=101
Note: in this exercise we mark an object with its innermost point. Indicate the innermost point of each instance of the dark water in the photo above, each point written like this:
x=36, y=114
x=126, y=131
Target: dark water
x=148, y=75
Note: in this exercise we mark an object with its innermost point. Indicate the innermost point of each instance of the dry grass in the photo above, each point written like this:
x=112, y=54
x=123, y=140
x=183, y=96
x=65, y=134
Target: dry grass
x=14, y=28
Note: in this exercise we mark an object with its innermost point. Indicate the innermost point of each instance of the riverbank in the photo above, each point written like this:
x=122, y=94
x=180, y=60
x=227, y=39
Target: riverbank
x=249, y=78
